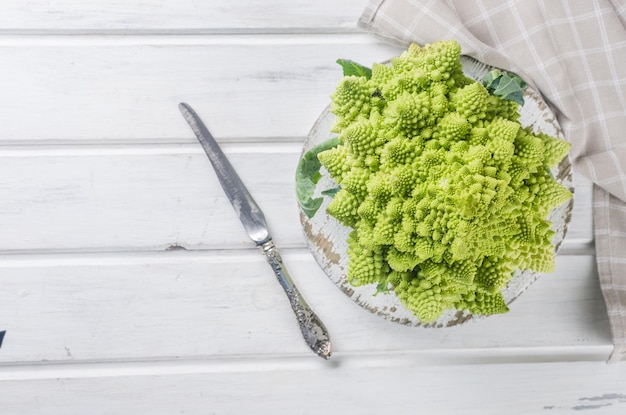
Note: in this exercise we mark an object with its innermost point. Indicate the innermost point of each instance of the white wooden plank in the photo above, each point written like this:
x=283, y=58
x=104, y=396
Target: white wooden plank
x=72, y=88
x=103, y=307
x=128, y=197
x=550, y=388
x=180, y=15
x=131, y=197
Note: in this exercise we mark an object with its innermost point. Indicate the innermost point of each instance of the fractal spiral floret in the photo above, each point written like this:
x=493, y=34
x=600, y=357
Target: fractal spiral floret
x=445, y=192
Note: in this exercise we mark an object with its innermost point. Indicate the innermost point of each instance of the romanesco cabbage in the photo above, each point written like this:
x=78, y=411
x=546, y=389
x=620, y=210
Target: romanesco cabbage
x=446, y=193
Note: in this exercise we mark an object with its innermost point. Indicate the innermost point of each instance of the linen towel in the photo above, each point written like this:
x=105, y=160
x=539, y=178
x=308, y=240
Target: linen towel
x=574, y=54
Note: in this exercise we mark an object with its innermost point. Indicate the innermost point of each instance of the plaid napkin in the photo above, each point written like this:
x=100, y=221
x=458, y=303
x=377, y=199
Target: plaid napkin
x=574, y=54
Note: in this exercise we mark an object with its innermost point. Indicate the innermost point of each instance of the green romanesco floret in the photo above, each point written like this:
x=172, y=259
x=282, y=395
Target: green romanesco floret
x=446, y=193
x=353, y=97
x=366, y=265
x=471, y=102
x=407, y=115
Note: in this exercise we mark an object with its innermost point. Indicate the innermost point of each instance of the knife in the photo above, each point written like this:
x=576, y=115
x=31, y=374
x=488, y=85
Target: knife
x=253, y=220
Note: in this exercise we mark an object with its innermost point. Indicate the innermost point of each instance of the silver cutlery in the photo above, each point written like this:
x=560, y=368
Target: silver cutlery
x=253, y=220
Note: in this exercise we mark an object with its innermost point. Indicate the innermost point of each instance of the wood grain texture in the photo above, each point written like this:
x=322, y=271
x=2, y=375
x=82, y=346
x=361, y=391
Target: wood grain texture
x=104, y=89
x=178, y=16
x=136, y=198
x=107, y=307
x=541, y=388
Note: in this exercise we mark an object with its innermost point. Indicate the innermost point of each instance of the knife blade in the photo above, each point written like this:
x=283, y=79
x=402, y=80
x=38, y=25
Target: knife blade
x=313, y=330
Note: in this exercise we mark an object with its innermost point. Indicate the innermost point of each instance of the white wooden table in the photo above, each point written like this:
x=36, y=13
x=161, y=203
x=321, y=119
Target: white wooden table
x=127, y=284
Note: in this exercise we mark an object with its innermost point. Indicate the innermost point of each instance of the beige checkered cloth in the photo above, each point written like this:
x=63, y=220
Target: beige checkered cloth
x=574, y=53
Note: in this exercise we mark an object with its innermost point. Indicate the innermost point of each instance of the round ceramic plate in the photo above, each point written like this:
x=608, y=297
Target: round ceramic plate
x=326, y=237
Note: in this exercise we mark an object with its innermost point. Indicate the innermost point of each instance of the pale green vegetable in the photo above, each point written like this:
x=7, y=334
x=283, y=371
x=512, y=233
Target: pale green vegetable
x=446, y=193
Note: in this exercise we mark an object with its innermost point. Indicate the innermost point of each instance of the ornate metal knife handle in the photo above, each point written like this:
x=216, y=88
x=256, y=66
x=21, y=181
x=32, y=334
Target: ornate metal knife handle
x=313, y=330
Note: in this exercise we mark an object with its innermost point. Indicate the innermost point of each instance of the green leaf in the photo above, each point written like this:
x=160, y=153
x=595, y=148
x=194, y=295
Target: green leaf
x=307, y=176
x=353, y=68
x=506, y=86
x=331, y=192
x=381, y=287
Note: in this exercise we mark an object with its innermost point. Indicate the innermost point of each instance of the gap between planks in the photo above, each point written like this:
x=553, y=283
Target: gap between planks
x=221, y=38
x=260, y=363
x=144, y=32
x=190, y=146
x=175, y=254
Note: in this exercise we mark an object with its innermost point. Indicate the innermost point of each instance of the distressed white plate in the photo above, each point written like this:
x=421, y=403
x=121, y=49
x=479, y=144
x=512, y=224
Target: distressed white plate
x=327, y=238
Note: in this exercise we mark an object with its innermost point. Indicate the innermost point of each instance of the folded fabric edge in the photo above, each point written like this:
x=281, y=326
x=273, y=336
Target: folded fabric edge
x=606, y=169
x=366, y=22
x=618, y=353
x=607, y=229
x=369, y=13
